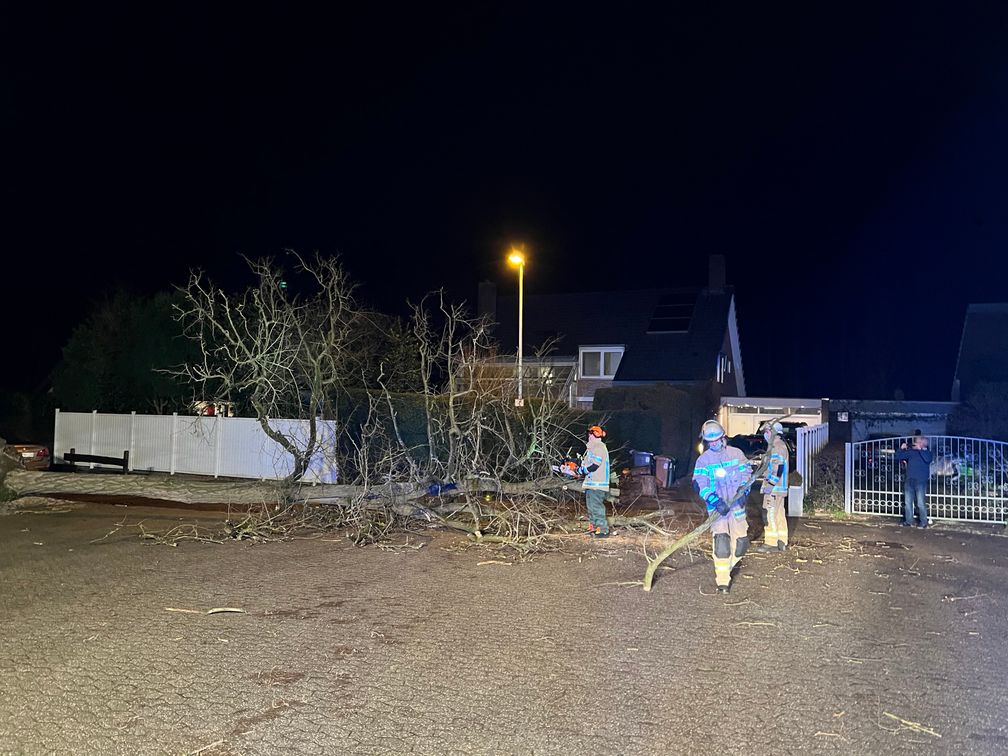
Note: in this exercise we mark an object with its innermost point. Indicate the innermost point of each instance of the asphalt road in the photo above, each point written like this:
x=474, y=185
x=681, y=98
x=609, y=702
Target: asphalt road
x=835, y=646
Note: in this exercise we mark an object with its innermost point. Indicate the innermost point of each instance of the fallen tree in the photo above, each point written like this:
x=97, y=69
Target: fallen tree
x=222, y=491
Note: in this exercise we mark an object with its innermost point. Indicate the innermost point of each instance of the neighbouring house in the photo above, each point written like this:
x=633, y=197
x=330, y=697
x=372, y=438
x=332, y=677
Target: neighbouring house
x=983, y=349
x=576, y=344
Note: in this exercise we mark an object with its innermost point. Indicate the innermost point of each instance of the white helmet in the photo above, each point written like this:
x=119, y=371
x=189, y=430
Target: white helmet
x=711, y=431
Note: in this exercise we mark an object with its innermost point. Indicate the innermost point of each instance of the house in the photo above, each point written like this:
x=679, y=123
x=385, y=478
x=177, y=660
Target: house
x=983, y=349
x=577, y=343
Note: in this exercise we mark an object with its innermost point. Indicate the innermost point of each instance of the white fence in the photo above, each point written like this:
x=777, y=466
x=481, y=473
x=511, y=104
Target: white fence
x=968, y=478
x=234, y=447
x=811, y=441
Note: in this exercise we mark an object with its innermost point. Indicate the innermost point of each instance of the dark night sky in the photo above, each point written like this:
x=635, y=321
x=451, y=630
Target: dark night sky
x=849, y=163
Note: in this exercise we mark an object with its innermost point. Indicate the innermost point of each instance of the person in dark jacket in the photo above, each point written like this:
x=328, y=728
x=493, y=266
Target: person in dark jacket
x=918, y=470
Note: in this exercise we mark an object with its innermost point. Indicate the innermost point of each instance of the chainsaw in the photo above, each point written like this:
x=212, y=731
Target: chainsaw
x=568, y=467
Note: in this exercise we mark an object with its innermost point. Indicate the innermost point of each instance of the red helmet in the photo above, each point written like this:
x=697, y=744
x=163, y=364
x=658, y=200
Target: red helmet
x=597, y=430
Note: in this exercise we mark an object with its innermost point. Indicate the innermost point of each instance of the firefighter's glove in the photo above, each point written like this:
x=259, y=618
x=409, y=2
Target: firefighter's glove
x=581, y=470
x=720, y=505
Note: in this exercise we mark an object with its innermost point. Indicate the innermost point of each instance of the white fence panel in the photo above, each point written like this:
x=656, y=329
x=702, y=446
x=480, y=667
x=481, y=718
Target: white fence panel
x=195, y=445
x=152, y=442
x=92, y=433
x=233, y=446
x=112, y=435
x=246, y=451
x=73, y=431
x=968, y=478
x=811, y=441
x=321, y=467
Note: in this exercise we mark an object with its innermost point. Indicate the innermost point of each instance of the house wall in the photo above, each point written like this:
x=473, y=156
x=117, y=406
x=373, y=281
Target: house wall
x=748, y=423
x=854, y=420
x=586, y=387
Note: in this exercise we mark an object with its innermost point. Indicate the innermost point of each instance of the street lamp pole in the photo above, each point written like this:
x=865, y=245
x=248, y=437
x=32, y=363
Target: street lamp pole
x=517, y=258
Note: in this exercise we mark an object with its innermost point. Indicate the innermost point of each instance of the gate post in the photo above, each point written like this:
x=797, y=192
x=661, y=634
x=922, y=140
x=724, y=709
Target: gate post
x=848, y=477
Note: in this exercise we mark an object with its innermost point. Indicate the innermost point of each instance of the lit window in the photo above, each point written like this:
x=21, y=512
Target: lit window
x=600, y=362
x=611, y=360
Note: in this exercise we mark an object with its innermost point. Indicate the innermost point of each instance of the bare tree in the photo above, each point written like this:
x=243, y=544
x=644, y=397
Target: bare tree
x=297, y=356
x=283, y=353
x=477, y=440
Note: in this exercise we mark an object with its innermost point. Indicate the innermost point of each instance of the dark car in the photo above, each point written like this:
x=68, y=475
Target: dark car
x=754, y=446
x=791, y=433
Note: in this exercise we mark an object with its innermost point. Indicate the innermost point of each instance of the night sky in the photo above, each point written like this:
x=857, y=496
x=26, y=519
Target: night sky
x=850, y=164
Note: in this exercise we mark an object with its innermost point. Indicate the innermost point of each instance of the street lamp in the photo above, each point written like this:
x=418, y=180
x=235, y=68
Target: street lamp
x=518, y=258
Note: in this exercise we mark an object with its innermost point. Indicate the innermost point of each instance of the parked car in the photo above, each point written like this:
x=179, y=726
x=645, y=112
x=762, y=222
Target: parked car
x=791, y=433
x=754, y=446
x=28, y=456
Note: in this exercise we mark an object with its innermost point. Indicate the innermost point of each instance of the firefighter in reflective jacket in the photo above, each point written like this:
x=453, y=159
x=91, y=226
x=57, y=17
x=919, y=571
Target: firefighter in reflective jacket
x=718, y=477
x=595, y=468
x=775, y=530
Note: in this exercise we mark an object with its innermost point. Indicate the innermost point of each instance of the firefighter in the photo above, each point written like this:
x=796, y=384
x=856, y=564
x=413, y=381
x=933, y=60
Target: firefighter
x=720, y=476
x=774, y=489
x=595, y=469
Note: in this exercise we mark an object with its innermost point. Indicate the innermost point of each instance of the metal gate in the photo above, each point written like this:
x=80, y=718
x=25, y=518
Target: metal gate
x=969, y=478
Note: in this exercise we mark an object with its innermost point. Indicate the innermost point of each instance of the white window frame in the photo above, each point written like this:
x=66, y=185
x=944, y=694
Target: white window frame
x=602, y=349
x=723, y=369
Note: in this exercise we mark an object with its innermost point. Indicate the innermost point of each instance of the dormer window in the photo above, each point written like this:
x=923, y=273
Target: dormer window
x=599, y=361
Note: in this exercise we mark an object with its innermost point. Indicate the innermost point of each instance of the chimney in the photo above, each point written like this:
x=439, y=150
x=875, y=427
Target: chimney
x=486, y=301
x=716, y=274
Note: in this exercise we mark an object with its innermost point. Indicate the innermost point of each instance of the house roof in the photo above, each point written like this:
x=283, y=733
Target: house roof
x=640, y=320
x=983, y=350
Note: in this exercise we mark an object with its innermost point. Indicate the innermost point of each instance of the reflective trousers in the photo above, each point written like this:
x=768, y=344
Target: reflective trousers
x=776, y=519
x=731, y=539
x=595, y=499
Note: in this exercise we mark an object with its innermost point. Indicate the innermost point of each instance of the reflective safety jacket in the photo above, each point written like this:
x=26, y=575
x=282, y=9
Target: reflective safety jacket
x=776, y=481
x=597, y=454
x=720, y=474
